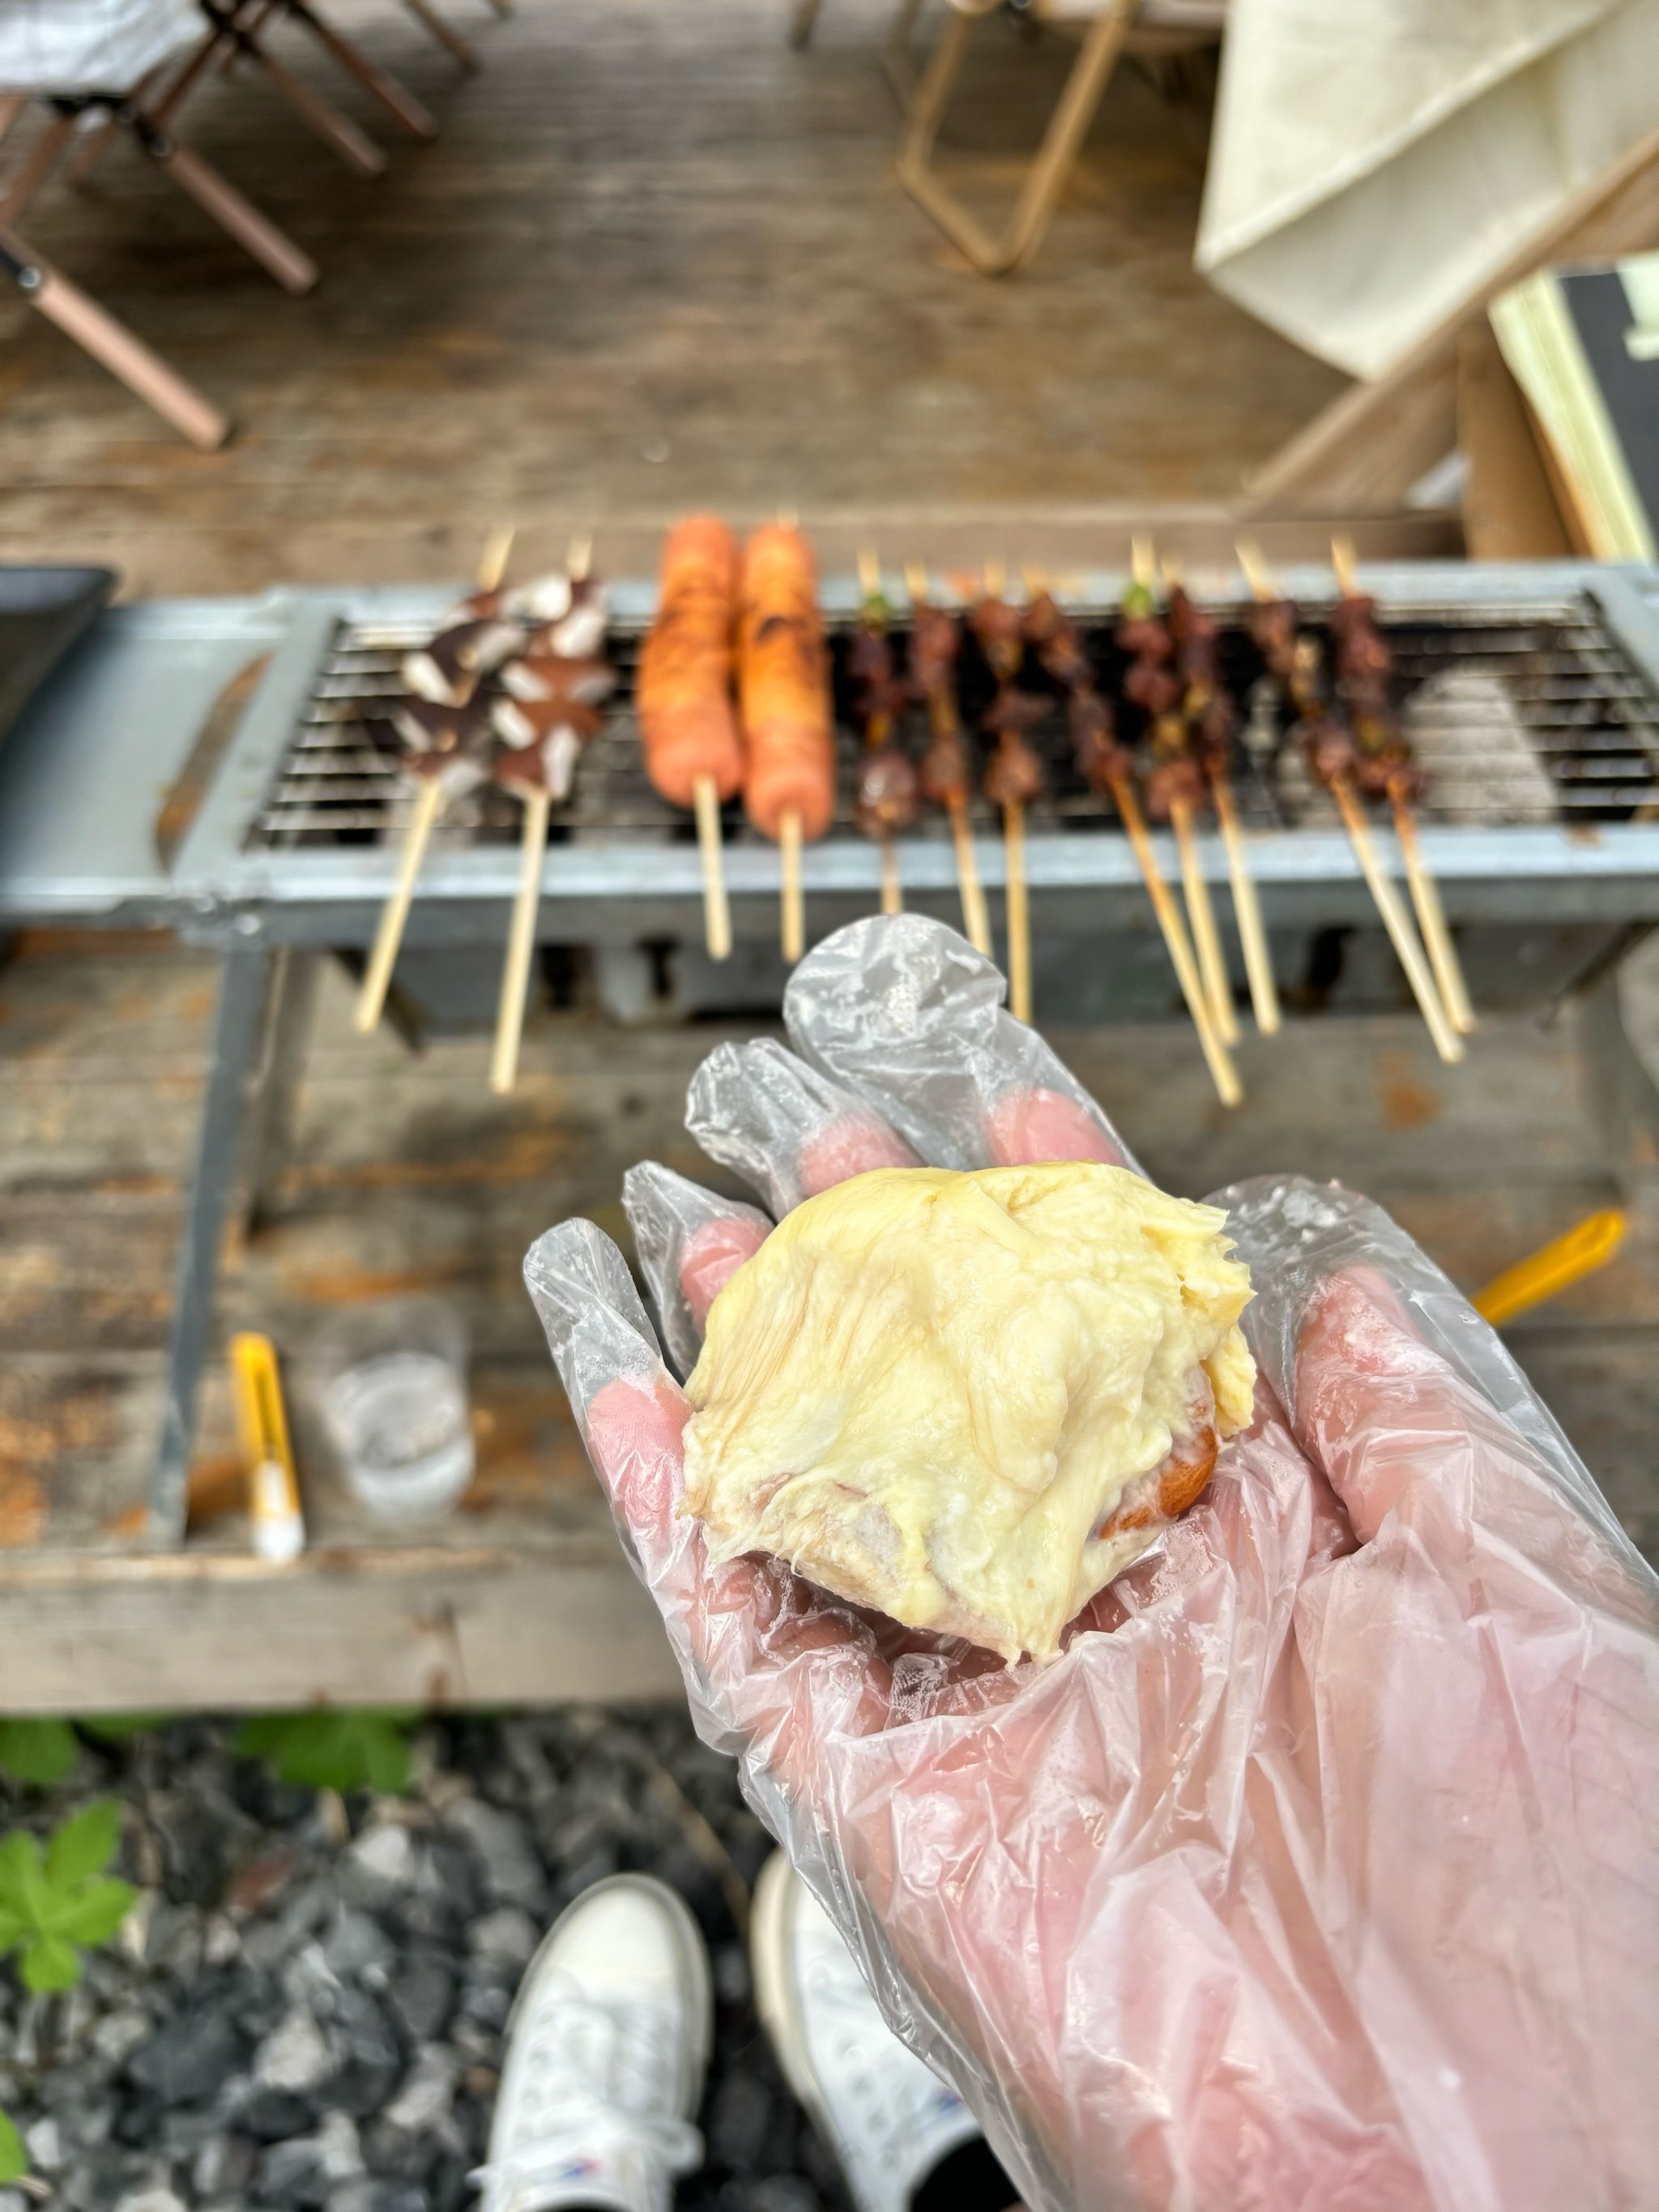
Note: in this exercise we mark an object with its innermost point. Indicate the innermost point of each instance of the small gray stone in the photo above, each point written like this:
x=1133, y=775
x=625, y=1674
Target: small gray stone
x=508, y=1935
x=355, y=1942
x=310, y=1984
x=186, y=2064
x=12, y=2201
x=511, y=1870
x=422, y=1997
x=428, y=2093
x=269, y=1942
x=295, y=2057
x=156, y=2197
x=45, y=2145
x=382, y=1864
x=221, y=1941
x=223, y=2165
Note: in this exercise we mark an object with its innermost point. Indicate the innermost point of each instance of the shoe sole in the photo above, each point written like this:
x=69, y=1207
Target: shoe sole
x=776, y=1998
x=694, y=1958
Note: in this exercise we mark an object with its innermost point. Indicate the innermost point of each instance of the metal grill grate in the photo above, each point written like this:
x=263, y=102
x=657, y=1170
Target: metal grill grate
x=1520, y=713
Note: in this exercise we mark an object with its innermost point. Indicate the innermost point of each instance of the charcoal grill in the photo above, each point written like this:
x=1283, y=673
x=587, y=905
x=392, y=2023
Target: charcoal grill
x=266, y=723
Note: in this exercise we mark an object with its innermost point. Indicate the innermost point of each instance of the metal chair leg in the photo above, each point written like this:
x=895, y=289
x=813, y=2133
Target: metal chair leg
x=379, y=83
x=43, y=158
x=112, y=345
x=450, y=40
x=274, y=250
x=238, y=39
x=1046, y=179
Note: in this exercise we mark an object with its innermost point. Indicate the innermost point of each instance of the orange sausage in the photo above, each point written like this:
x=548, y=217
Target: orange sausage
x=783, y=686
x=683, y=690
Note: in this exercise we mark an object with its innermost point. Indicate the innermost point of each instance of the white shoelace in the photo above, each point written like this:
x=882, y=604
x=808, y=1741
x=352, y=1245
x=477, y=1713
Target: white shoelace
x=595, y=2080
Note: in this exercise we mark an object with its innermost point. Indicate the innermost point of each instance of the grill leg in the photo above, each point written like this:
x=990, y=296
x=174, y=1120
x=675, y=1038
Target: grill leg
x=292, y=1012
x=1623, y=1095
x=238, y=1026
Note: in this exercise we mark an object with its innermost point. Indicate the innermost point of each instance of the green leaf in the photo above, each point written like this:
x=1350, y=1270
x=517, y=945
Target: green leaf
x=84, y=1844
x=342, y=1751
x=14, y=2159
x=116, y=1728
x=12, y=1930
x=40, y=1751
x=94, y=1916
x=50, y=1963
x=23, y=1878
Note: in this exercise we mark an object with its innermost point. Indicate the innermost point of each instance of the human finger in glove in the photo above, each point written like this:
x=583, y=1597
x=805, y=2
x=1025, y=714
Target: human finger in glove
x=1322, y=1867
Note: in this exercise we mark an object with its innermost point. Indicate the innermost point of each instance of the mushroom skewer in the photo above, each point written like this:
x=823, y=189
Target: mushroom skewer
x=935, y=641
x=1212, y=721
x=442, y=739
x=1294, y=660
x=1174, y=784
x=551, y=708
x=1364, y=663
x=888, y=794
x=1013, y=776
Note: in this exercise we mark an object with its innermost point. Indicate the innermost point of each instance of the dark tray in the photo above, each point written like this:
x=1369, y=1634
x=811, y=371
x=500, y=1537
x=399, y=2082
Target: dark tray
x=42, y=613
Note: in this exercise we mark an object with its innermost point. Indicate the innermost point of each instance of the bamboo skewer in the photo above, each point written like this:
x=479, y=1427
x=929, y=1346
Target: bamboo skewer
x=1258, y=962
x=1425, y=892
x=521, y=941
x=1019, y=917
x=1206, y=938
x=892, y=892
x=792, y=904
x=429, y=803
x=1223, y=1074
x=1402, y=935
x=1431, y=920
x=976, y=916
x=377, y=976
x=716, y=914
x=1397, y=923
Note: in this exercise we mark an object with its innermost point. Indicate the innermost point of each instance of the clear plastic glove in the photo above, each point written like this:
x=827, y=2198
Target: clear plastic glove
x=1323, y=1869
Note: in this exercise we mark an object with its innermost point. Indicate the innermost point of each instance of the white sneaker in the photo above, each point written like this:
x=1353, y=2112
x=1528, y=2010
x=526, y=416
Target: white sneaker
x=607, y=2048
x=886, y=2115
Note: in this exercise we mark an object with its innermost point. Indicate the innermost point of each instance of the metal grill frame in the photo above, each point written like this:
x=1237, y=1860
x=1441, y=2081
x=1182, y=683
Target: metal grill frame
x=610, y=887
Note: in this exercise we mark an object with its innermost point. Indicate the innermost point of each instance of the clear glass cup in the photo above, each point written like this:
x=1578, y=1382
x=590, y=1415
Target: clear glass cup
x=388, y=1380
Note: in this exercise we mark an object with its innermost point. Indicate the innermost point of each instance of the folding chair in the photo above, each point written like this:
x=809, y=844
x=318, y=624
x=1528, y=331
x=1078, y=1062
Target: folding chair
x=1148, y=29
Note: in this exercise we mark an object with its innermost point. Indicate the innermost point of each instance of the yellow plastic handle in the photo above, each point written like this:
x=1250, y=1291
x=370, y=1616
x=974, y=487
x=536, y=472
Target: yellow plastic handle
x=262, y=1428
x=1553, y=1269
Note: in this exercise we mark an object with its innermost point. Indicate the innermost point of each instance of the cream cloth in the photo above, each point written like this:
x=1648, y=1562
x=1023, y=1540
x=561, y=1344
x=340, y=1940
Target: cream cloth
x=1375, y=161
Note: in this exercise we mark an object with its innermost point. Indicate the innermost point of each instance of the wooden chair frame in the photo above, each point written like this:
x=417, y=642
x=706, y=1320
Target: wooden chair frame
x=1115, y=31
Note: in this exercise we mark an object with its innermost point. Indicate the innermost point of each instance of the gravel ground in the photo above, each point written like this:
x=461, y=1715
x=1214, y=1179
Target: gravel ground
x=305, y=2008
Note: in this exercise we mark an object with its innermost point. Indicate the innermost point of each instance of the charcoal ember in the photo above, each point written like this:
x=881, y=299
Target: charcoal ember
x=888, y=793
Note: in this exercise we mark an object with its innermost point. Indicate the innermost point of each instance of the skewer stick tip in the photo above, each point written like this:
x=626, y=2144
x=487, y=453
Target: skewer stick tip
x=915, y=582
x=580, y=559
x=1343, y=560
x=1255, y=569
x=996, y=579
x=492, y=561
x=716, y=913
x=869, y=569
x=1143, y=561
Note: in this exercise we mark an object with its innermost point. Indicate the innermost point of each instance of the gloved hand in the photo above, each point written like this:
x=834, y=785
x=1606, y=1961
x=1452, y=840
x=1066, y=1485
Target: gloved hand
x=1324, y=1868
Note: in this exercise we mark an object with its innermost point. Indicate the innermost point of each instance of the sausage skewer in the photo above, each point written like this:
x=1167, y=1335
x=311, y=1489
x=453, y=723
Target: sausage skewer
x=785, y=709
x=935, y=641
x=889, y=795
x=431, y=791
x=682, y=693
x=1013, y=776
x=1211, y=719
x=551, y=709
x=1364, y=663
x=1293, y=658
